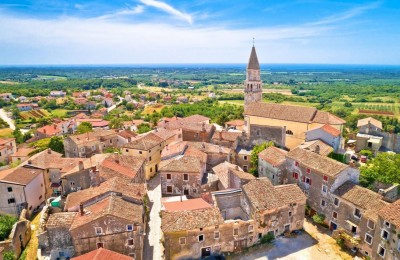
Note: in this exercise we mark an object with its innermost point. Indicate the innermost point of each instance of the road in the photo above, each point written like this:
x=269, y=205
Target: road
x=152, y=247
x=114, y=106
x=4, y=116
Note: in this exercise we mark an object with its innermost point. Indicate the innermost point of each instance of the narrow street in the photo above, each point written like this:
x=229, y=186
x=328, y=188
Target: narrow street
x=152, y=247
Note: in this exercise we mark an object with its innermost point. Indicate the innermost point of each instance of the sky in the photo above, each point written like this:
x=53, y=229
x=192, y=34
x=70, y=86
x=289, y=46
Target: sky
x=54, y=32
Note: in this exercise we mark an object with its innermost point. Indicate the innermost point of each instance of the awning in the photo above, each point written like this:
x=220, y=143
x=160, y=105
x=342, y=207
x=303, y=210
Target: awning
x=351, y=223
x=374, y=141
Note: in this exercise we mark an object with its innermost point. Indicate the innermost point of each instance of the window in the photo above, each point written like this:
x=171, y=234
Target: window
x=295, y=175
x=72, y=183
x=216, y=234
x=61, y=254
x=235, y=231
x=245, y=168
x=201, y=238
x=251, y=228
x=258, y=132
x=130, y=242
x=290, y=213
x=150, y=159
x=357, y=213
x=169, y=176
x=140, y=152
x=151, y=169
x=381, y=251
x=308, y=170
x=100, y=245
x=368, y=239
x=185, y=177
x=182, y=240
x=385, y=234
x=245, y=157
x=169, y=189
x=308, y=181
x=289, y=132
x=324, y=189
x=40, y=197
x=370, y=224
x=98, y=230
x=9, y=189
x=336, y=202
x=110, y=141
x=325, y=178
x=126, y=150
x=334, y=215
x=129, y=227
x=323, y=203
x=387, y=224
x=11, y=200
x=354, y=229
x=296, y=163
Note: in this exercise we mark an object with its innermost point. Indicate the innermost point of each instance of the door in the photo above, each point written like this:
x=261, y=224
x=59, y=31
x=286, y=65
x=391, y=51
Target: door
x=185, y=192
x=205, y=252
x=239, y=245
x=333, y=226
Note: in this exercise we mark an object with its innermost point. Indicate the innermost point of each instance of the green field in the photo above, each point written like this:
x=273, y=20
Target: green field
x=59, y=113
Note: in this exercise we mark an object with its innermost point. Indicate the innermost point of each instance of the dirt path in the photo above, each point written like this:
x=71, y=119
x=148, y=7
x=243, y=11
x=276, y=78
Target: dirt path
x=32, y=247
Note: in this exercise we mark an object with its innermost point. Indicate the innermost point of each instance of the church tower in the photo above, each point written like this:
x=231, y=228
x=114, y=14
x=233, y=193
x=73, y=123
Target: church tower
x=252, y=84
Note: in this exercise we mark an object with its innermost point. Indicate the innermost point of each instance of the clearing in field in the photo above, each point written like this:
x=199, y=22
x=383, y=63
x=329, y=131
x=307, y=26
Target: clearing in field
x=40, y=113
x=148, y=110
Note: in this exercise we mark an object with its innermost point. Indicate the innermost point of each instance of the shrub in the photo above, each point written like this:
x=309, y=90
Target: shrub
x=318, y=218
x=340, y=242
x=6, y=224
x=268, y=238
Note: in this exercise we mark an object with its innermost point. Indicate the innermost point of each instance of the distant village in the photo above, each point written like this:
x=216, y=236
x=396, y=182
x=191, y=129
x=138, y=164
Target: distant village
x=184, y=189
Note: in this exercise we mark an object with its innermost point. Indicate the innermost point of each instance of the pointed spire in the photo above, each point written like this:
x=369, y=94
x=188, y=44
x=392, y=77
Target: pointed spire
x=253, y=61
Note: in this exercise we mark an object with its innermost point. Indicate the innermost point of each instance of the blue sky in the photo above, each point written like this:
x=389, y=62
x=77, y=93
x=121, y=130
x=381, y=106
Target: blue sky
x=199, y=31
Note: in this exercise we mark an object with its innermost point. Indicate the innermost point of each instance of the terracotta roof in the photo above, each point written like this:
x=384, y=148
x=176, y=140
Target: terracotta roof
x=61, y=219
x=391, y=213
x=187, y=125
x=183, y=164
x=144, y=143
x=236, y=122
x=92, y=136
x=48, y=159
x=209, y=148
x=370, y=120
x=114, y=185
x=4, y=141
x=273, y=155
x=21, y=175
x=317, y=162
x=194, y=119
x=110, y=206
x=241, y=174
x=49, y=130
x=324, y=148
x=22, y=152
x=361, y=197
x=291, y=113
x=121, y=165
x=164, y=133
x=223, y=170
x=175, y=148
x=190, y=219
x=253, y=60
x=127, y=134
x=194, y=152
x=191, y=204
x=264, y=196
x=328, y=129
x=225, y=135
x=103, y=254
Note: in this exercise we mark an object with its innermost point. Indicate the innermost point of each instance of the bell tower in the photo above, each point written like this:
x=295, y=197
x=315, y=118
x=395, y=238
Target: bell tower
x=252, y=84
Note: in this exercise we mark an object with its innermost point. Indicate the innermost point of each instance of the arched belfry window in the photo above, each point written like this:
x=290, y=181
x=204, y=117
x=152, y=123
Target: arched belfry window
x=289, y=132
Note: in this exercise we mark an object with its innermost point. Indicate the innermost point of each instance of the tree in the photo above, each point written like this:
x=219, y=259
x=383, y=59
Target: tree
x=9, y=255
x=116, y=123
x=384, y=168
x=254, y=156
x=85, y=127
x=143, y=128
x=19, y=138
x=130, y=107
x=6, y=224
x=56, y=144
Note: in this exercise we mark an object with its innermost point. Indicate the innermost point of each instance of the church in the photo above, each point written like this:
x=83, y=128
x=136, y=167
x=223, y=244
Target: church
x=293, y=122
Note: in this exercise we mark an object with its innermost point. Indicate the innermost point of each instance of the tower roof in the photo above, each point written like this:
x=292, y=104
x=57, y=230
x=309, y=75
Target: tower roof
x=253, y=61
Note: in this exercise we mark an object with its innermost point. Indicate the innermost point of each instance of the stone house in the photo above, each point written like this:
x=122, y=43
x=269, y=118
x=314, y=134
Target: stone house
x=111, y=223
x=270, y=164
x=182, y=176
x=97, y=123
x=317, y=146
x=274, y=209
x=48, y=131
x=215, y=154
x=194, y=229
x=21, y=188
x=88, y=144
x=125, y=136
x=354, y=211
x=148, y=147
x=387, y=239
x=57, y=93
x=170, y=136
x=21, y=154
x=318, y=176
x=130, y=168
x=225, y=138
x=7, y=148
x=369, y=124
x=27, y=107
x=328, y=134
x=235, y=124
x=231, y=176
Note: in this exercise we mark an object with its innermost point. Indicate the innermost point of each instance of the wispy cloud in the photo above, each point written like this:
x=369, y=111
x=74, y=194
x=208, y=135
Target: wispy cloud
x=128, y=11
x=169, y=9
x=348, y=14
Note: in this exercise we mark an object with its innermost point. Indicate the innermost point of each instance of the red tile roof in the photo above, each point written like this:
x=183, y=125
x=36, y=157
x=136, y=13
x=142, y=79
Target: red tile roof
x=330, y=130
x=191, y=204
x=273, y=155
x=50, y=130
x=103, y=254
x=236, y=122
x=391, y=213
x=121, y=165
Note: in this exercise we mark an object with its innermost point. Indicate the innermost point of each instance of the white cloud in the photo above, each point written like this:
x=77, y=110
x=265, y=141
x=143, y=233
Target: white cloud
x=128, y=11
x=168, y=9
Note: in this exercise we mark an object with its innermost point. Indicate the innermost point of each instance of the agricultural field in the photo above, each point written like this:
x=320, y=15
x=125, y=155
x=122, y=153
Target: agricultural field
x=148, y=110
x=6, y=132
x=40, y=113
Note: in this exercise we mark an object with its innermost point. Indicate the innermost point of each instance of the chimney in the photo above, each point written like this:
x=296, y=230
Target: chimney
x=80, y=165
x=94, y=168
x=220, y=135
x=44, y=131
x=236, y=167
x=116, y=160
x=81, y=209
x=204, y=127
x=317, y=149
x=55, y=126
x=29, y=162
x=49, y=151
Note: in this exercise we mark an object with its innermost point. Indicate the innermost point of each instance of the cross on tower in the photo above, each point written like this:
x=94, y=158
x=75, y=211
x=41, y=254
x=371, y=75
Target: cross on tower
x=253, y=41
